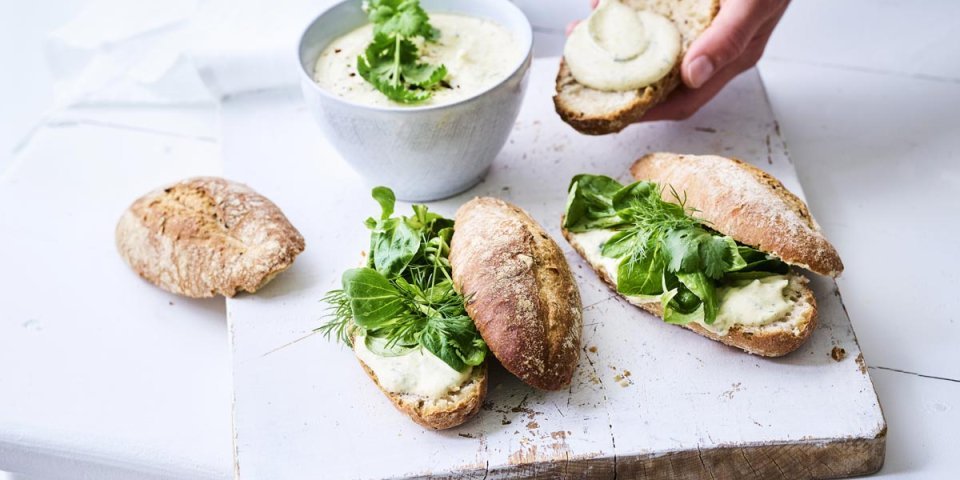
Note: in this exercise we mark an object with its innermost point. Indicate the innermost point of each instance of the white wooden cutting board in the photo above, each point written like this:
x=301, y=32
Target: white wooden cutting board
x=647, y=399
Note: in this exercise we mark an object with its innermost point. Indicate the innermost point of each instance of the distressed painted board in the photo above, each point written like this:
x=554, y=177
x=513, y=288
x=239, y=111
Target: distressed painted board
x=647, y=399
x=102, y=375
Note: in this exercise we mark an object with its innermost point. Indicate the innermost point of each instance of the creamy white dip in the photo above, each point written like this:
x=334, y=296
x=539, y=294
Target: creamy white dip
x=417, y=372
x=618, y=48
x=748, y=303
x=478, y=54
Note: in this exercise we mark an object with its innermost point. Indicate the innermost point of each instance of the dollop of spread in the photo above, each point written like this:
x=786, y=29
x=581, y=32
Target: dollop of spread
x=618, y=48
x=753, y=303
x=416, y=372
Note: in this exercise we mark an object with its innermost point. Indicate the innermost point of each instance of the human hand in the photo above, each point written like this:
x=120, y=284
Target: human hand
x=731, y=44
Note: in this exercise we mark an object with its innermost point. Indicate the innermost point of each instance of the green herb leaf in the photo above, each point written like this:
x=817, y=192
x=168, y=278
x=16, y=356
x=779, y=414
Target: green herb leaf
x=664, y=250
x=395, y=246
x=407, y=298
x=590, y=205
x=391, y=62
x=704, y=289
x=373, y=299
x=641, y=273
x=387, y=200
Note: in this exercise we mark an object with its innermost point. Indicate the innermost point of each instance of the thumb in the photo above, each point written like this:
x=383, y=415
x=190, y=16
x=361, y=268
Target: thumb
x=724, y=40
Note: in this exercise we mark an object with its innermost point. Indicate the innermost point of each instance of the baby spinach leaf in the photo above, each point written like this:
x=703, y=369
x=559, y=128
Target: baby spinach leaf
x=387, y=200
x=373, y=299
x=396, y=245
x=589, y=204
x=641, y=273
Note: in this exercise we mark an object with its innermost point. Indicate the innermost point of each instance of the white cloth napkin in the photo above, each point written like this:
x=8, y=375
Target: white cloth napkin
x=163, y=52
x=166, y=52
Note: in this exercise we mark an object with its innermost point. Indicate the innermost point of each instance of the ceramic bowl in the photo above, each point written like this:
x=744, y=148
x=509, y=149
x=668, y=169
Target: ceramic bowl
x=422, y=153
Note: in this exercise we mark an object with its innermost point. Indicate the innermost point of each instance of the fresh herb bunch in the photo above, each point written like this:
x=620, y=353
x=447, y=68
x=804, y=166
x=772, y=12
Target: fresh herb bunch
x=391, y=62
x=664, y=251
x=404, y=297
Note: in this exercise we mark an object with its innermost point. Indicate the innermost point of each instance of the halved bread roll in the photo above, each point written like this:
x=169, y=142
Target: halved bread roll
x=206, y=236
x=451, y=410
x=520, y=291
x=752, y=207
x=597, y=112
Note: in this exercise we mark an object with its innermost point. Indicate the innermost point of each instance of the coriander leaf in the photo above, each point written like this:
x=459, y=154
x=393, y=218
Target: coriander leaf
x=682, y=247
x=391, y=62
x=717, y=255
x=373, y=299
x=424, y=75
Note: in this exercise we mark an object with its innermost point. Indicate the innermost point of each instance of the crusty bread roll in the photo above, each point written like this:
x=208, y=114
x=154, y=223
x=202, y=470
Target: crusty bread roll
x=520, y=291
x=746, y=203
x=752, y=207
x=206, y=236
x=772, y=340
x=597, y=112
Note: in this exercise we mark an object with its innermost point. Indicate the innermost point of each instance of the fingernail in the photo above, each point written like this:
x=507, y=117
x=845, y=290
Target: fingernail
x=700, y=70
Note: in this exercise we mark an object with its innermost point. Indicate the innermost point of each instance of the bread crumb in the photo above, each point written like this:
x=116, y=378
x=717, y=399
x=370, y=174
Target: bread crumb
x=838, y=354
x=533, y=425
x=593, y=349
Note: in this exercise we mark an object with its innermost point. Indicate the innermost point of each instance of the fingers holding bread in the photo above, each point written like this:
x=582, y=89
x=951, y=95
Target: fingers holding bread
x=632, y=83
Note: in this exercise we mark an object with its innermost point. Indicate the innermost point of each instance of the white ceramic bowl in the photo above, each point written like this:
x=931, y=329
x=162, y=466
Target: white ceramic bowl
x=422, y=153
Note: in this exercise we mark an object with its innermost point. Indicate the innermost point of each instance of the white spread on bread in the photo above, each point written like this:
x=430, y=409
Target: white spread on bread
x=752, y=303
x=417, y=372
x=478, y=54
x=619, y=49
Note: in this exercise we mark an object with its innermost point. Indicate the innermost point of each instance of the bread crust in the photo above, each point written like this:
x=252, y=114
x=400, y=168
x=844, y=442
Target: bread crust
x=520, y=290
x=205, y=236
x=767, y=342
x=597, y=112
x=439, y=414
x=746, y=203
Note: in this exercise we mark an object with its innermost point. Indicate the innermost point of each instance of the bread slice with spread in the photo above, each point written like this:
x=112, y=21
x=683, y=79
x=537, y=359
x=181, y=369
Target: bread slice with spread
x=706, y=242
x=597, y=92
x=411, y=313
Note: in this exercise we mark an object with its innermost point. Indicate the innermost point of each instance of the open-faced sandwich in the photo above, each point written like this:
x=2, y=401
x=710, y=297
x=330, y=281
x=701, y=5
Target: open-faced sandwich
x=624, y=59
x=412, y=313
x=705, y=242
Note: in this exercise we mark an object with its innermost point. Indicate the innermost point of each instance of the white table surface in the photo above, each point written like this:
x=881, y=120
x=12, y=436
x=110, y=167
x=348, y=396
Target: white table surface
x=867, y=94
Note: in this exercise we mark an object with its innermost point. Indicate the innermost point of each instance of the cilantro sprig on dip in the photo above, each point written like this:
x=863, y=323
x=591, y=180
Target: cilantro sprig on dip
x=391, y=62
x=404, y=297
x=661, y=250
